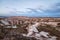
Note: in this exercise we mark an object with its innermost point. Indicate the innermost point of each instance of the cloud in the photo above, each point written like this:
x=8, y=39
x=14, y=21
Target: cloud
x=54, y=9
x=30, y=8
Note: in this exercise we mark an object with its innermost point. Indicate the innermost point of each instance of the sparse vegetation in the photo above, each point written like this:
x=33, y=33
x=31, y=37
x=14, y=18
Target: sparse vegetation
x=22, y=23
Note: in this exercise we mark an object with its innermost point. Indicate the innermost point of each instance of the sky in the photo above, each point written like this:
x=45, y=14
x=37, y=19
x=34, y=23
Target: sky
x=31, y=8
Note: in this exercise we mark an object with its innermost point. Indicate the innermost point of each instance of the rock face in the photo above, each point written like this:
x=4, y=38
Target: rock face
x=32, y=29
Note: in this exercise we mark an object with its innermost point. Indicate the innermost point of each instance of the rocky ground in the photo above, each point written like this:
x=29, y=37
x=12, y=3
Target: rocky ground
x=16, y=33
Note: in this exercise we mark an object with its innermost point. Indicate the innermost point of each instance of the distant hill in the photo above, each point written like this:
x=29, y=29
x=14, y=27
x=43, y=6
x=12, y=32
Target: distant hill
x=3, y=16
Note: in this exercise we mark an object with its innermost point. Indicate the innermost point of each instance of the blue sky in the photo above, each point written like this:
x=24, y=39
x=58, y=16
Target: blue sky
x=34, y=8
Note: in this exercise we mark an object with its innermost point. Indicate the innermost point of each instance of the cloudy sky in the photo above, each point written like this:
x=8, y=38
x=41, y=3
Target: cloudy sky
x=33, y=8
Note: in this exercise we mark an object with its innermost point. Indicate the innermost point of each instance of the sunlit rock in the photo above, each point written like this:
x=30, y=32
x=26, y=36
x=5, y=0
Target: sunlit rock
x=45, y=34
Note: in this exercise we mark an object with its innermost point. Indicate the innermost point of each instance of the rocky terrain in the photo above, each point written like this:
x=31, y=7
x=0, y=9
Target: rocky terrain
x=13, y=28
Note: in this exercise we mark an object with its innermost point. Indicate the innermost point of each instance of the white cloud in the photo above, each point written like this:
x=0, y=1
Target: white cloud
x=20, y=7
